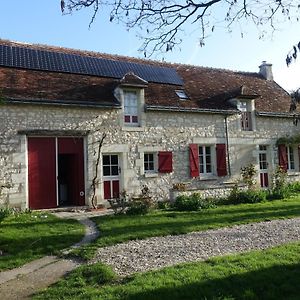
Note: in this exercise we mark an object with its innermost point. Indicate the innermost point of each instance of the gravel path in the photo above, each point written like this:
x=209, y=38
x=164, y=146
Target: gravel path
x=158, y=252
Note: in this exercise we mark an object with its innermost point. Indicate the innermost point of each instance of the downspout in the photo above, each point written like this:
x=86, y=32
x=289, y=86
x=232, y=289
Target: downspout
x=227, y=144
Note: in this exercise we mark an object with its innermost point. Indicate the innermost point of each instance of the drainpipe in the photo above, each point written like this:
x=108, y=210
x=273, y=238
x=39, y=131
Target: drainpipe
x=227, y=144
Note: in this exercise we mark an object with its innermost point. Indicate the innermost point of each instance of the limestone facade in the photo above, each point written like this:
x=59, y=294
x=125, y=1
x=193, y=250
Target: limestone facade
x=158, y=131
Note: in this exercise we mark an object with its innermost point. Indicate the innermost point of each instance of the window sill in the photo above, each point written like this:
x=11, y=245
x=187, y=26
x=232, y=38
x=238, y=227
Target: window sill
x=132, y=128
x=151, y=175
x=293, y=173
x=207, y=178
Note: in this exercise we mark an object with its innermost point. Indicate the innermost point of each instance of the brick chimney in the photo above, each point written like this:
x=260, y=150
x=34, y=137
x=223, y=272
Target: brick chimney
x=265, y=70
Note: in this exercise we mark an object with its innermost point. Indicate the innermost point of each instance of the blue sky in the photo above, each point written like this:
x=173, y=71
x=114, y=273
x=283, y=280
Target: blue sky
x=36, y=21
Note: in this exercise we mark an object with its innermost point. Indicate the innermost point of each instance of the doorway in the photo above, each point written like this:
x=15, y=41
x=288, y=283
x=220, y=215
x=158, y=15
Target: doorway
x=66, y=179
x=55, y=172
x=111, y=176
x=263, y=166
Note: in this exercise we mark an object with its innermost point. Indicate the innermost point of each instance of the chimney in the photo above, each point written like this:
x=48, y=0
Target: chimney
x=265, y=70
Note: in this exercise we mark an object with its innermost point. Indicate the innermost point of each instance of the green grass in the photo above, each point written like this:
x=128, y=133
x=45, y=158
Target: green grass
x=269, y=274
x=118, y=229
x=28, y=236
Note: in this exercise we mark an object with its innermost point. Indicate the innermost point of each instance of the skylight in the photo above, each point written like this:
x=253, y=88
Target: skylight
x=181, y=94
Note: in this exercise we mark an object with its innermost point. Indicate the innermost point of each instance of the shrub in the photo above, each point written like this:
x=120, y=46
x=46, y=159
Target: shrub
x=139, y=206
x=4, y=212
x=120, y=204
x=280, y=189
x=250, y=196
x=294, y=187
x=248, y=175
x=142, y=204
x=188, y=203
x=163, y=204
x=234, y=194
x=208, y=202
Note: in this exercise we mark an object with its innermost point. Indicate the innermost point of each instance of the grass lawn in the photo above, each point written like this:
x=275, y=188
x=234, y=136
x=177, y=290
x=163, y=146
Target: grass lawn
x=28, y=236
x=269, y=274
x=117, y=229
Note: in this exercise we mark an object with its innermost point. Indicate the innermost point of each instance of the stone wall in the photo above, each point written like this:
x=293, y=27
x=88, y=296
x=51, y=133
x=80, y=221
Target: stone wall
x=163, y=131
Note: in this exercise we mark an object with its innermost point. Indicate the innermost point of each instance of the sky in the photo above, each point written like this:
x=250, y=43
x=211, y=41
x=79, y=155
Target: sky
x=41, y=22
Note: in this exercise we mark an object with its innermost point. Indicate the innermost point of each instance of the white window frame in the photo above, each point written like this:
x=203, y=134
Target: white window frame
x=131, y=110
x=205, y=163
x=290, y=158
x=154, y=161
x=246, y=116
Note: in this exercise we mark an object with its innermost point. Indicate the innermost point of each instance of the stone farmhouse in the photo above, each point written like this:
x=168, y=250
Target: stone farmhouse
x=77, y=125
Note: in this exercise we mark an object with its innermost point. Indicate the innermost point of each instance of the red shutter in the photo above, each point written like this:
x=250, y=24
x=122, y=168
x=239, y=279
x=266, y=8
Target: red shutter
x=282, y=157
x=165, y=162
x=221, y=159
x=194, y=160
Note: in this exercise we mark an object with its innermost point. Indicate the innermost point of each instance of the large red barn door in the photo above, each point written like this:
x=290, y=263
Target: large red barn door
x=71, y=171
x=42, y=172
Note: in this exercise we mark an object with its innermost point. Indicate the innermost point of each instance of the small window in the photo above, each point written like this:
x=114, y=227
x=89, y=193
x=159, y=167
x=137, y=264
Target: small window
x=205, y=160
x=110, y=165
x=149, y=163
x=131, y=108
x=290, y=158
x=246, y=116
x=181, y=94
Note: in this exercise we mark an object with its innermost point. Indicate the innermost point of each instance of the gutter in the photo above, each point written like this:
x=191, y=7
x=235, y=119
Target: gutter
x=192, y=110
x=66, y=103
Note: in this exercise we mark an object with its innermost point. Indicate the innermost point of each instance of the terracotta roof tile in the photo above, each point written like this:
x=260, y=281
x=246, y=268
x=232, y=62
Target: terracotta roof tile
x=206, y=87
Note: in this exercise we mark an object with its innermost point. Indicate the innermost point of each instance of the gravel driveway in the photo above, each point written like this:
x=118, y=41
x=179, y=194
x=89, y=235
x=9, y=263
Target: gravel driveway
x=158, y=252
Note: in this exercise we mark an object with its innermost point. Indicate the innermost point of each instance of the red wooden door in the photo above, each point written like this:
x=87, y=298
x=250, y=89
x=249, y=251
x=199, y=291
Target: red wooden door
x=42, y=173
x=72, y=151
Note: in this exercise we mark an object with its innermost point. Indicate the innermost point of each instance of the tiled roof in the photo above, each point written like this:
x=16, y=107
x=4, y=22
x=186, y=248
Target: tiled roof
x=206, y=88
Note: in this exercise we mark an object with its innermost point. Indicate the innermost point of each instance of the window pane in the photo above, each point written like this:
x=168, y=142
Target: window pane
x=149, y=162
x=106, y=171
x=200, y=150
x=114, y=160
x=134, y=119
x=208, y=168
x=114, y=170
x=201, y=169
x=106, y=160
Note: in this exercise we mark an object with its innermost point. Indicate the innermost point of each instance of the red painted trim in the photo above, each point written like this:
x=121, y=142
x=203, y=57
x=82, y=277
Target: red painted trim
x=221, y=160
x=194, y=160
x=42, y=173
x=165, y=162
x=282, y=157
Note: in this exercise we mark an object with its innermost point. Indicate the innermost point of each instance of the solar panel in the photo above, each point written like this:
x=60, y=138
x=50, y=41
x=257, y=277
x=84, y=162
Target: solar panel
x=22, y=57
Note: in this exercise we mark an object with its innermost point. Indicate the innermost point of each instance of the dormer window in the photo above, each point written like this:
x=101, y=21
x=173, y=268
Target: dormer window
x=181, y=94
x=246, y=115
x=131, y=108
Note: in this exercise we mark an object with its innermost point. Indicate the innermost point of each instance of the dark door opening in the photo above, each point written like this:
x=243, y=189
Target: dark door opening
x=55, y=172
x=70, y=172
x=66, y=180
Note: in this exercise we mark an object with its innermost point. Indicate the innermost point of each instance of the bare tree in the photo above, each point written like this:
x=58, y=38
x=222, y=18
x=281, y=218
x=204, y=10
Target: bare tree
x=163, y=23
